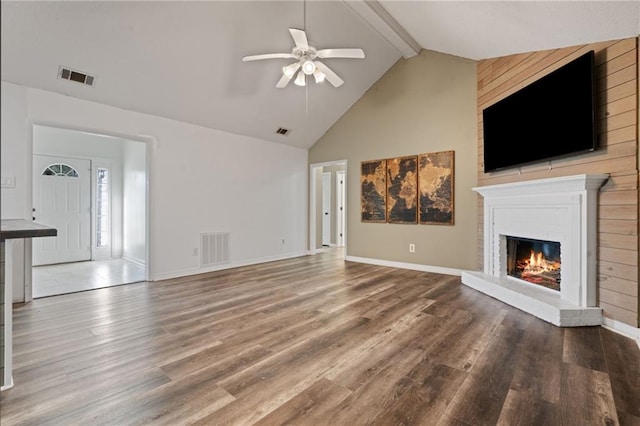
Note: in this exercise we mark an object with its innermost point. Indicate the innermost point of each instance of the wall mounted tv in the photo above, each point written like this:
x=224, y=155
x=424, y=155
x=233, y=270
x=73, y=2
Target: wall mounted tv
x=552, y=117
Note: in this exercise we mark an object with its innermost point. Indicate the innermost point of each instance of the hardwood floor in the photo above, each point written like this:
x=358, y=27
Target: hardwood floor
x=313, y=340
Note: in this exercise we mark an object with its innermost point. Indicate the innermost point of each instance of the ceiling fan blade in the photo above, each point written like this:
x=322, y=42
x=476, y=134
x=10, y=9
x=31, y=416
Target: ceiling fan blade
x=341, y=53
x=331, y=76
x=283, y=82
x=300, y=38
x=287, y=75
x=267, y=56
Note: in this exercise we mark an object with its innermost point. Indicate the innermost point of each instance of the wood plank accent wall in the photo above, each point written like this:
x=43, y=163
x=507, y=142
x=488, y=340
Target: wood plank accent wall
x=617, y=87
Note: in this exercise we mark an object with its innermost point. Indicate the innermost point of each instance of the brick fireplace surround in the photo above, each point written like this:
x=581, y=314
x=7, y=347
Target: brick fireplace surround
x=560, y=209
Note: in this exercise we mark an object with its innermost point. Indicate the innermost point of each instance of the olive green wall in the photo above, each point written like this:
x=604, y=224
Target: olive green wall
x=423, y=104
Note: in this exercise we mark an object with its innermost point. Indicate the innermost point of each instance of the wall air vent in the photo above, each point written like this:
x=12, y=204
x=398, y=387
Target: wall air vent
x=282, y=131
x=77, y=76
x=214, y=248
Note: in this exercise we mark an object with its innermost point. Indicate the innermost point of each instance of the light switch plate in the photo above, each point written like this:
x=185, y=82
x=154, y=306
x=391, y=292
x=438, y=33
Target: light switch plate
x=8, y=182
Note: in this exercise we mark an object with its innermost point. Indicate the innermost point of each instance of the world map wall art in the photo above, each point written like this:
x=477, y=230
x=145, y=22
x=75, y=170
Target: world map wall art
x=373, y=199
x=412, y=189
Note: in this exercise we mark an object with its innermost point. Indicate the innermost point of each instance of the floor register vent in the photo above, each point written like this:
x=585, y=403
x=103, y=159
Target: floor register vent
x=214, y=248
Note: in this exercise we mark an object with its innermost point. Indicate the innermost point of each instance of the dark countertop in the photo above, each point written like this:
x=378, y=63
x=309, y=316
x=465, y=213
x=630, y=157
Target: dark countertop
x=20, y=228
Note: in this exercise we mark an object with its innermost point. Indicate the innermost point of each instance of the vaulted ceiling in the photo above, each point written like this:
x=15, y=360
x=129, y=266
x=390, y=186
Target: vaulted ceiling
x=183, y=60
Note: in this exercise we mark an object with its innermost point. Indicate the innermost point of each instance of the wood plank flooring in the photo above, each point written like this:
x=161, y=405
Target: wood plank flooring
x=311, y=341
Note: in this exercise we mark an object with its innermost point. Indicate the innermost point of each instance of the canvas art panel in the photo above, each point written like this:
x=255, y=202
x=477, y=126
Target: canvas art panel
x=436, y=188
x=402, y=190
x=373, y=191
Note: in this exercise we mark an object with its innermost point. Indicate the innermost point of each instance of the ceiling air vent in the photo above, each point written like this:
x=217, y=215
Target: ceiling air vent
x=77, y=76
x=282, y=131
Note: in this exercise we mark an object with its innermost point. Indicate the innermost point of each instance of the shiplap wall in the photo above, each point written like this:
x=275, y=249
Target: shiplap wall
x=617, y=87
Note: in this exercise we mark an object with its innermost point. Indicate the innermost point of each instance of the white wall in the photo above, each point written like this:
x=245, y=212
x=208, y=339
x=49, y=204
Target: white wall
x=134, y=186
x=15, y=159
x=200, y=180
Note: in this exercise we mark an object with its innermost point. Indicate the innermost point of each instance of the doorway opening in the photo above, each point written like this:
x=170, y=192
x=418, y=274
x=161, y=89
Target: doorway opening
x=327, y=206
x=93, y=189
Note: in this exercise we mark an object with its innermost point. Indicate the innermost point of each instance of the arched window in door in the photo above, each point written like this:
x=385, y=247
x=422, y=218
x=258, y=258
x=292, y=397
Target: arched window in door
x=60, y=169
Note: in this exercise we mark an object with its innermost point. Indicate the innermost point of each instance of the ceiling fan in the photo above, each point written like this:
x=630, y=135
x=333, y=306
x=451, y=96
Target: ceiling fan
x=306, y=61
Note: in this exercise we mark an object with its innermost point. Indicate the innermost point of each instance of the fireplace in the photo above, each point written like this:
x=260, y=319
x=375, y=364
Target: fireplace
x=540, y=248
x=535, y=261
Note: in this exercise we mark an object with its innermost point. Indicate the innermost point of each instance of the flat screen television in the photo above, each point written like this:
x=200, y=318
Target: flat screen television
x=551, y=117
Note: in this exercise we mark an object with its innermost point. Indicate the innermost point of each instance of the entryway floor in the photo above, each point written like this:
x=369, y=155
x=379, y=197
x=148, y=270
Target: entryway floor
x=51, y=280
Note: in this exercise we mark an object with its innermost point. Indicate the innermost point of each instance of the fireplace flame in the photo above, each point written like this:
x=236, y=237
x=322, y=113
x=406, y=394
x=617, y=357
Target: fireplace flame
x=537, y=264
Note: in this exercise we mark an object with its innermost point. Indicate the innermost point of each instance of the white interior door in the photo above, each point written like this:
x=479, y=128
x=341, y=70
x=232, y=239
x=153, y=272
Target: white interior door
x=340, y=208
x=62, y=199
x=326, y=209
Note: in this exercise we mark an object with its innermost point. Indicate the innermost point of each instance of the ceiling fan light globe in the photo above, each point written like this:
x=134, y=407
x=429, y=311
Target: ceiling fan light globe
x=308, y=67
x=318, y=75
x=300, y=80
x=290, y=70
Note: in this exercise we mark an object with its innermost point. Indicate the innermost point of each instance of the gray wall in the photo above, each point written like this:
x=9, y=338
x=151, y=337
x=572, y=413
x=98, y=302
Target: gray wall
x=424, y=104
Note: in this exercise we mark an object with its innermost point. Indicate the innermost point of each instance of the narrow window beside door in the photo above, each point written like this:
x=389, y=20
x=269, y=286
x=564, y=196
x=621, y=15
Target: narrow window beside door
x=102, y=208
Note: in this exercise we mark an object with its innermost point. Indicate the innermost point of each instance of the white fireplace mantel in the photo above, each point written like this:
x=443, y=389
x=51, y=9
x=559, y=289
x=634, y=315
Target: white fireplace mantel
x=560, y=209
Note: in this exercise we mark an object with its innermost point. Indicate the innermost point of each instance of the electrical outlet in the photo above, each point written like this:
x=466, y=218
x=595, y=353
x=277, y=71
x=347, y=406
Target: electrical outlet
x=195, y=252
x=283, y=241
x=412, y=248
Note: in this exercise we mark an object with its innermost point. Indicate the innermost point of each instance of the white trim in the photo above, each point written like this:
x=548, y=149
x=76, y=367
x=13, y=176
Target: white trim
x=341, y=217
x=327, y=178
x=311, y=226
x=150, y=144
x=562, y=184
x=404, y=265
x=9, y=386
x=312, y=208
x=230, y=265
x=533, y=299
x=622, y=328
x=9, y=271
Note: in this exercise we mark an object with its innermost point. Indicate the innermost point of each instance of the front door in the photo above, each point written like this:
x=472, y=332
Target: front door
x=62, y=199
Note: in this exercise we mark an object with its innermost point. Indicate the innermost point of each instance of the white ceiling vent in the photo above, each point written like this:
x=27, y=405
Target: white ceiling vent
x=282, y=131
x=77, y=76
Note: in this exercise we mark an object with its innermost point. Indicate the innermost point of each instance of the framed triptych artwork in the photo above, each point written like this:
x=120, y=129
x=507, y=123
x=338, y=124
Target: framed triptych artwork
x=412, y=189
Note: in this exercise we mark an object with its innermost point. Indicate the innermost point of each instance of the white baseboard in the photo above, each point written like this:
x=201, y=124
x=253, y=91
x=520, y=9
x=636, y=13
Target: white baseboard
x=7, y=386
x=230, y=265
x=403, y=265
x=622, y=328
